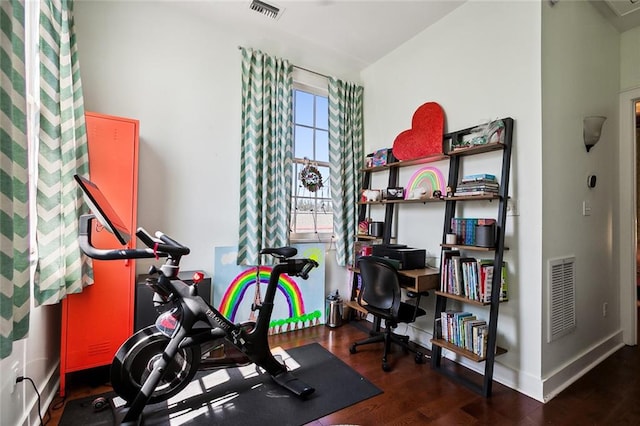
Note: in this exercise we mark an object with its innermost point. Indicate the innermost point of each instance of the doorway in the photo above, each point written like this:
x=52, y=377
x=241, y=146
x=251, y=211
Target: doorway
x=627, y=247
x=636, y=139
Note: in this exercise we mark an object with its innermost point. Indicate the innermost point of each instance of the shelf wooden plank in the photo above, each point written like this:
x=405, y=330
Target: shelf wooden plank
x=422, y=160
x=463, y=247
x=352, y=304
x=461, y=298
x=464, y=298
x=489, y=197
x=406, y=163
x=463, y=352
x=367, y=237
x=419, y=200
x=476, y=149
x=473, y=248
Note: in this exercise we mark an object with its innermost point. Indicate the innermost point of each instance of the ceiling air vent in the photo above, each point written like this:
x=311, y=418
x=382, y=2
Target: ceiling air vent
x=562, y=298
x=265, y=9
x=624, y=7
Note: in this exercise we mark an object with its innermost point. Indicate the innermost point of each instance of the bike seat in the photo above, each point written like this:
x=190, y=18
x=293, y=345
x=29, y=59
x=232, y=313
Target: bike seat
x=285, y=252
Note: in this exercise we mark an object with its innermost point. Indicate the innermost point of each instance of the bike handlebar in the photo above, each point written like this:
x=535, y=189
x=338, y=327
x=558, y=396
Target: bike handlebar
x=164, y=246
x=170, y=246
x=87, y=248
x=177, y=247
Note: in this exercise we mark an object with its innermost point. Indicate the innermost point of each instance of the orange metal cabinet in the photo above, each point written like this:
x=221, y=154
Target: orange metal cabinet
x=97, y=321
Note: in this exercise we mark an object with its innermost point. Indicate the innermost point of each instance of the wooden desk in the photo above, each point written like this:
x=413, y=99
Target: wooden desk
x=423, y=280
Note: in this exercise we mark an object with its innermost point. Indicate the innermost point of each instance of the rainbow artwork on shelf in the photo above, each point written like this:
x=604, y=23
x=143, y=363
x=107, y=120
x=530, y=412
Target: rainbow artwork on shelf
x=423, y=182
x=298, y=303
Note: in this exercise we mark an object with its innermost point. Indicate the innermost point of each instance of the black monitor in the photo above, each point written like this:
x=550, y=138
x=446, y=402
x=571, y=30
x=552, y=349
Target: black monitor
x=103, y=211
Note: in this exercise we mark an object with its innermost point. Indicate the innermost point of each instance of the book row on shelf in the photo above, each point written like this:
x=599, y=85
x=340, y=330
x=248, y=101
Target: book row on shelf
x=470, y=277
x=465, y=330
x=474, y=231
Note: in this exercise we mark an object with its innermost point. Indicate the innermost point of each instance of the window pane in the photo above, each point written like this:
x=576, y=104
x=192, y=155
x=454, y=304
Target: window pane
x=325, y=223
x=304, y=142
x=322, y=146
x=304, y=205
x=303, y=108
x=324, y=171
x=322, y=112
x=324, y=206
x=311, y=212
x=304, y=222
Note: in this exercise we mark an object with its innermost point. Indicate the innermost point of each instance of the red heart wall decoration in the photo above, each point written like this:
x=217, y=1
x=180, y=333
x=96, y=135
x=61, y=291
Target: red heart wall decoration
x=425, y=136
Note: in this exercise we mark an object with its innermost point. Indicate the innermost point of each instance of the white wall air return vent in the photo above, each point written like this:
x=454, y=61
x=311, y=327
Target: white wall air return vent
x=562, y=297
x=266, y=9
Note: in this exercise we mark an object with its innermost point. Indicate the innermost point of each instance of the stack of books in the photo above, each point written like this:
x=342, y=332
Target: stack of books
x=470, y=277
x=464, y=330
x=478, y=184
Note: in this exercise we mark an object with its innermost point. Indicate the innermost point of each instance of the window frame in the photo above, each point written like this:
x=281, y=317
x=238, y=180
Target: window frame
x=318, y=86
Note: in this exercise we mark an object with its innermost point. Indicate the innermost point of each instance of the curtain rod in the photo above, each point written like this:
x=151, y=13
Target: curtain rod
x=311, y=71
x=303, y=69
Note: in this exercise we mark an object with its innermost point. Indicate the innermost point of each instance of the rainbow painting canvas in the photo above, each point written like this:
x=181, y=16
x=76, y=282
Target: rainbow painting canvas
x=423, y=182
x=298, y=304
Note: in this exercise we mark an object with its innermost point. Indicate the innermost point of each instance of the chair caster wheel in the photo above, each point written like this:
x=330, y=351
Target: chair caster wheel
x=419, y=358
x=99, y=404
x=352, y=349
x=385, y=367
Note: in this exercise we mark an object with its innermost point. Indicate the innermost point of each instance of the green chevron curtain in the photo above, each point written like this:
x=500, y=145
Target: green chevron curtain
x=266, y=154
x=14, y=220
x=61, y=269
x=346, y=156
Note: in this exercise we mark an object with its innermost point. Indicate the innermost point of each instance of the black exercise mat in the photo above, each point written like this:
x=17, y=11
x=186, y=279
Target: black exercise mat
x=246, y=396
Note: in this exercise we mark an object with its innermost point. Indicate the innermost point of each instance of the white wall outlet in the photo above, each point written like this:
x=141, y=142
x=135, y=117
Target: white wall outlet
x=513, y=207
x=586, y=208
x=13, y=375
x=605, y=306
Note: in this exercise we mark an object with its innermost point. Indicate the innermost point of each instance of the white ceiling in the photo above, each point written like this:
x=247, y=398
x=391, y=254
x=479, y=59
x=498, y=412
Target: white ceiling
x=623, y=14
x=361, y=31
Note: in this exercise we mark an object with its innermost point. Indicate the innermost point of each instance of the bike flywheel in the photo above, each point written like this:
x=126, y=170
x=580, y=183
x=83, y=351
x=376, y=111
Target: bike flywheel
x=136, y=358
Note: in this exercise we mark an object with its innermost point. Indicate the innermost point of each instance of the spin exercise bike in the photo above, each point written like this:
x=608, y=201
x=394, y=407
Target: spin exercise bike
x=159, y=361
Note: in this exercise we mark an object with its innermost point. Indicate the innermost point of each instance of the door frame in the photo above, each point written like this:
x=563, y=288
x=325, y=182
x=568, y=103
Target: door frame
x=627, y=238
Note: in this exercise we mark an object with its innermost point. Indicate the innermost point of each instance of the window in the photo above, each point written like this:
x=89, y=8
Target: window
x=311, y=211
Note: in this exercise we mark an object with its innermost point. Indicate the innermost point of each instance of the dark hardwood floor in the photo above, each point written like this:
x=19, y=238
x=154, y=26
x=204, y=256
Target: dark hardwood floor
x=415, y=394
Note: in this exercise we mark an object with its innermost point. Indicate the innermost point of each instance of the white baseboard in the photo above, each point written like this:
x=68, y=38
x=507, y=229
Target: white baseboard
x=540, y=389
x=567, y=374
x=517, y=380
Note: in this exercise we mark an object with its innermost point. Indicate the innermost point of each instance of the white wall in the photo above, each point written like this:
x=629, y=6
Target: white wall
x=480, y=62
x=630, y=59
x=580, y=77
x=179, y=74
x=36, y=357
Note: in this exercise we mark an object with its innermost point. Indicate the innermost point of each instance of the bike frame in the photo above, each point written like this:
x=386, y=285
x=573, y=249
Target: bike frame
x=253, y=342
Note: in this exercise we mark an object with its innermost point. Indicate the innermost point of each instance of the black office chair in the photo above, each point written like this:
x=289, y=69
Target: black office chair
x=380, y=295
